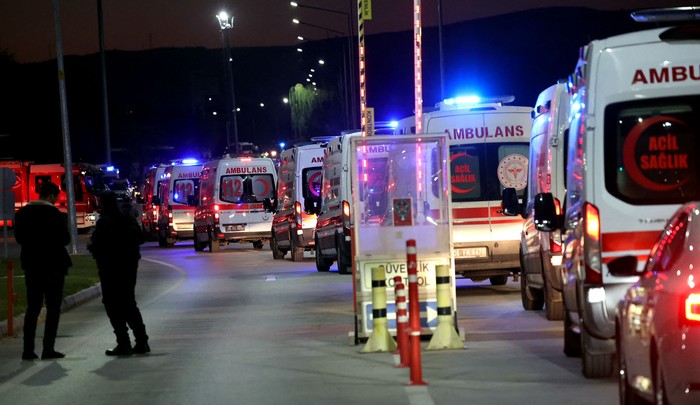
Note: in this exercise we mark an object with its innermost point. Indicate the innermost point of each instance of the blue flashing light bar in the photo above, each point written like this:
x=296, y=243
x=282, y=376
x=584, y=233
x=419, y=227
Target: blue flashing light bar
x=190, y=161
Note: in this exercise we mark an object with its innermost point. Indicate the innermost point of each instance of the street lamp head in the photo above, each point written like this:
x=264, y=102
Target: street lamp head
x=321, y=62
x=293, y=4
x=295, y=21
x=300, y=38
x=225, y=21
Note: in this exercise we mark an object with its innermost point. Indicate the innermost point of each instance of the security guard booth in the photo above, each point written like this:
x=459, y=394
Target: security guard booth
x=400, y=191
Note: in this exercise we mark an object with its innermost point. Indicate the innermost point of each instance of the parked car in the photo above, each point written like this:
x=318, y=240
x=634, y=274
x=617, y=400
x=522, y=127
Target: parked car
x=658, y=320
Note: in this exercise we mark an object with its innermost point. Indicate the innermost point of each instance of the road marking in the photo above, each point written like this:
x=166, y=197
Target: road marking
x=271, y=278
x=419, y=395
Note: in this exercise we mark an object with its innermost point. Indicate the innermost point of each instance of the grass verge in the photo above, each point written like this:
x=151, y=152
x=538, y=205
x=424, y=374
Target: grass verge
x=81, y=275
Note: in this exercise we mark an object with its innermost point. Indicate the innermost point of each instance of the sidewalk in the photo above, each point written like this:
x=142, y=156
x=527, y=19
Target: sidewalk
x=68, y=303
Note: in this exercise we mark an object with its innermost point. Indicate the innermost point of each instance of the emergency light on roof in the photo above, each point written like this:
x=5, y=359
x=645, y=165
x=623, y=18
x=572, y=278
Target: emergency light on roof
x=667, y=14
x=472, y=101
x=189, y=161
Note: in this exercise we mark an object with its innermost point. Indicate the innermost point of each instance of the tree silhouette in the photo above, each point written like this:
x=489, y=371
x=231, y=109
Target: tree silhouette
x=304, y=101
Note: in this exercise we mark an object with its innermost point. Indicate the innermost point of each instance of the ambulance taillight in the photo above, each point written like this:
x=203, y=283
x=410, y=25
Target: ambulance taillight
x=555, y=245
x=346, y=218
x=297, y=217
x=591, y=246
x=216, y=213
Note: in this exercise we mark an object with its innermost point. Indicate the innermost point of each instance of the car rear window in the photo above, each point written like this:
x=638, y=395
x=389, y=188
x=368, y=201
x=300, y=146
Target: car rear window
x=651, y=150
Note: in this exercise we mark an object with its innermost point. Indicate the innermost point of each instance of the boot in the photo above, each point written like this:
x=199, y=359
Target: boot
x=120, y=350
x=141, y=348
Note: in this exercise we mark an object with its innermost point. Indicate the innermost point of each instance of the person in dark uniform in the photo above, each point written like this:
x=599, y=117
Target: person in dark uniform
x=42, y=232
x=115, y=245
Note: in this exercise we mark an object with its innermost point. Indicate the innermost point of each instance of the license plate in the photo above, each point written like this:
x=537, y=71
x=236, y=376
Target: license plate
x=471, y=253
x=233, y=228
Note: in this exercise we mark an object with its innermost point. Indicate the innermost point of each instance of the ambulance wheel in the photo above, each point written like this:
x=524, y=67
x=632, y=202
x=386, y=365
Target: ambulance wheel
x=198, y=246
x=554, y=304
x=499, y=280
x=322, y=264
x=532, y=298
x=277, y=254
x=572, y=340
x=213, y=244
x=344, y=260
x=162, y=241
x=258, y=244
x=297, y=252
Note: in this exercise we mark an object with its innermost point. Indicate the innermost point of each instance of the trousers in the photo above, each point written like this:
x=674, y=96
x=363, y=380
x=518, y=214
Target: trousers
x=42, y=288
x=119, y=299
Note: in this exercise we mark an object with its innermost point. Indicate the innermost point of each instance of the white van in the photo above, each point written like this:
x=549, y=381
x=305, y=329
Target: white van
x=488, y=152
x=631, y=162
x=298, y=193
x=540, y=251
x=229, y=207
x=334, y=224
x=175, y=216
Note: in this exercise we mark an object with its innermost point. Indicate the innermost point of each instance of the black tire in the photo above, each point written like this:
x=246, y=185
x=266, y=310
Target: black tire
x=162, y=240
x=344, y=260
x=572, y=340
x=554, y=303
x=296, y=252
x=594, y=365
x=323, y=265
x=276, y=253
x=213, y=244
x=258, y=244
x=531, y=298
x=499, y=280
x=198, y=246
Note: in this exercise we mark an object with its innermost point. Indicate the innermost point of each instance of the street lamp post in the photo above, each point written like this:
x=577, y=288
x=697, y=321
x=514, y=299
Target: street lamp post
x=226, y=23
x=351, y=70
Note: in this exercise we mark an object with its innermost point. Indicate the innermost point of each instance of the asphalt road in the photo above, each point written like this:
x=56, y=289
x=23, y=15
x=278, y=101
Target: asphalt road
x=238, y=327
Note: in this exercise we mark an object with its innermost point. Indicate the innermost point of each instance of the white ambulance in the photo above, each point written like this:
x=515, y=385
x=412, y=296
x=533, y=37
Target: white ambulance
x=229, y=207
x=175, y=216
x=334, y=224
x=298, y=193
x=632, y=146
x=540, y=251
x=488, y=152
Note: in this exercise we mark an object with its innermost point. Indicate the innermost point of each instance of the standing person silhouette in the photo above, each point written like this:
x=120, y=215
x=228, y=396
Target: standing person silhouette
x=115, y=245
x=42, y=232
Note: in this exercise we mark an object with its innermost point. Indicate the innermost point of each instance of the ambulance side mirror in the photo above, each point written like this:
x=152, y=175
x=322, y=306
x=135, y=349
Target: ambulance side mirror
x=155, y=200
x=546, y=217
x=191, y=201
x=625, y=266
x=269, y=205
x=510, y=204
x=312, y=205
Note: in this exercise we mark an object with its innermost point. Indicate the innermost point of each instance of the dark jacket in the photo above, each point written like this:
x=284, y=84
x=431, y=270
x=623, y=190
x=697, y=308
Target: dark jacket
x=42, y=231
x=115, y=242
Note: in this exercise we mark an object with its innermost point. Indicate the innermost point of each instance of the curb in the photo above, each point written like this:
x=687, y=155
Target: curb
x=69, y=302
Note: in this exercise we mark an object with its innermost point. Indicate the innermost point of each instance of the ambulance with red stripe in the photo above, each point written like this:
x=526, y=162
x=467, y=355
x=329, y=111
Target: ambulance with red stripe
x=298, y=196
x=175, y=216
x=633, y=150
x=488, y=152
x=230, y=203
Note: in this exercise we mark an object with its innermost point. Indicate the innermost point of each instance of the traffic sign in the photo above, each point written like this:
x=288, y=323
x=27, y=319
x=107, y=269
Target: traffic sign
x=428, y=314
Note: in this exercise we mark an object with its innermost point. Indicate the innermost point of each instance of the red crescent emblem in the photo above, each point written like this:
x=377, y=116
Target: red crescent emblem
x=628, y=155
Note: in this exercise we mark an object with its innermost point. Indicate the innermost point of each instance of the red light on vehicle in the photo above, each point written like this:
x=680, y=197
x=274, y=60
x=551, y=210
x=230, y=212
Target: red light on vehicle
x=592, y=222
x=692, y=307
x=346, y=209
x=557, y=206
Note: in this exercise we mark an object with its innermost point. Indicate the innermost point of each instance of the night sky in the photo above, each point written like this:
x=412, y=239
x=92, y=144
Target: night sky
x=27, y=30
